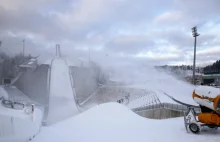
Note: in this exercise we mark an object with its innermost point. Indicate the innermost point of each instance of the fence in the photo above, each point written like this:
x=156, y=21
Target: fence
x=174, y=107
x=163, y=110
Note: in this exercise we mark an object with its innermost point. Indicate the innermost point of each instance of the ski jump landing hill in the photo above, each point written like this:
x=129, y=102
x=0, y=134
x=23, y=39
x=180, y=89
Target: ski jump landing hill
x=20, y=124
x=62, y=92
x=37, y=84
x=51, y=84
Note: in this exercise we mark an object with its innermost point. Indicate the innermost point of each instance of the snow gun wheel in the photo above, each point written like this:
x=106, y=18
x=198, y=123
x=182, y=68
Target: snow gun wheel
x=194, y=128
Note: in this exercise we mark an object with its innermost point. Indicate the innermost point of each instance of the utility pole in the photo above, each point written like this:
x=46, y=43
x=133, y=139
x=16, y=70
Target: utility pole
x=23, y=46
x=195, y=34
x=58, y=53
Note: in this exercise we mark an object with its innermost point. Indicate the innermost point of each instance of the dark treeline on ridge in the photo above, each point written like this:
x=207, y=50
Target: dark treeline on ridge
x=214, y=68
x=9, y=65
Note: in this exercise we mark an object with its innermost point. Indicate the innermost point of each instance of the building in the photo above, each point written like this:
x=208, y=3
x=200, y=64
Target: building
x=211, y=79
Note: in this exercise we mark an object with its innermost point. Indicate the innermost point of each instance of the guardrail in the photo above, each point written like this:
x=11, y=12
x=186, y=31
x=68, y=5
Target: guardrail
x=127, y=94
x=175, y=107
x=19, y=105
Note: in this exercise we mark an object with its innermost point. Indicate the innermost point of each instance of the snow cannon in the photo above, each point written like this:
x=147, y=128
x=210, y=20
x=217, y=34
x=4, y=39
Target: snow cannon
x=208, y=99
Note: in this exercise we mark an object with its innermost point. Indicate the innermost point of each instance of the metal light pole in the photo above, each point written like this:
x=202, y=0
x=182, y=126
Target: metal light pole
x=23, y=46
x=195, y=34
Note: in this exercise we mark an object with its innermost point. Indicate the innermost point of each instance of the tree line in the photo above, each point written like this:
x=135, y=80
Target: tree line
x=214, y=68
x=9, y=65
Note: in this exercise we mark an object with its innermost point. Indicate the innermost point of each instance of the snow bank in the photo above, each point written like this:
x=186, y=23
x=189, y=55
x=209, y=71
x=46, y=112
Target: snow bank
x=16, y=125
x=112, y=122
x=3, y=93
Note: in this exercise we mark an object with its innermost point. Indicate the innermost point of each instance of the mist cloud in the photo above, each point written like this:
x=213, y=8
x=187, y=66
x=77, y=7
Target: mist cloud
x=157, y=32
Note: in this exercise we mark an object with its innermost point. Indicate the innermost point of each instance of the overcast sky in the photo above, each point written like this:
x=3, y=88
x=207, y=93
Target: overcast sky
x=129, y=31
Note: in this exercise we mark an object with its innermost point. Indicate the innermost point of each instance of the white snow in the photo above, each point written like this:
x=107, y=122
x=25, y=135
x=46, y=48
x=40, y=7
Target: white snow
x=3, y=93
x=112, y=122
x=207, y=91
x=48, y=61
x=61, y=102
x=162, y=82
x=145, y=100
x=16, y=125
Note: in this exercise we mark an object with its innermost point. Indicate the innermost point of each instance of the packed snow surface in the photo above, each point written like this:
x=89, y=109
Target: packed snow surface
x=17, y=125
x=112, y=122
x=61, y=102
x=207, y=91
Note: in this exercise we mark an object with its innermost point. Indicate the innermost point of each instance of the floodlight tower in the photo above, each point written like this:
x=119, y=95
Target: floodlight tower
x=195, y=34
x=23, y=46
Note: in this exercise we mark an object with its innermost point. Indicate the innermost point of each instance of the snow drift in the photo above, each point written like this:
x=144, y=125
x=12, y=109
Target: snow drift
x=112, y=122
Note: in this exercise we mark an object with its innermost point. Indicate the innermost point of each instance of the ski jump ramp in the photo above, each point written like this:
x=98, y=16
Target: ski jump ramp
x=62, y=104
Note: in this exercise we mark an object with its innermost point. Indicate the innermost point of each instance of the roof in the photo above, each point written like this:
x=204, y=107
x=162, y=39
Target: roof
x=207, y=76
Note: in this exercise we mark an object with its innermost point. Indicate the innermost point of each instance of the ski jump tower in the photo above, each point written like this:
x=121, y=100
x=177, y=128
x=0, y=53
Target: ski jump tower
x=58, y=52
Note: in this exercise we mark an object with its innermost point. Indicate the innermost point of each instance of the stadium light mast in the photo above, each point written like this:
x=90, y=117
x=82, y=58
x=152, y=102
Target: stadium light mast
x=23, y=46
x=195, y=34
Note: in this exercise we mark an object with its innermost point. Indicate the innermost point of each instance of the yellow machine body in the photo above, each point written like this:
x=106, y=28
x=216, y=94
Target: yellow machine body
x=208, y=98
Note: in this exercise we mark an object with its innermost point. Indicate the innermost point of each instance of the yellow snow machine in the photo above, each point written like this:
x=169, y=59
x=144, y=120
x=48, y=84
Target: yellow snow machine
x=208, y=99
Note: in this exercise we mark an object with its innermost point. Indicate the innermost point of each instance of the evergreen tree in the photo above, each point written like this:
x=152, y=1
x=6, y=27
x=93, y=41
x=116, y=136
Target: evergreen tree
x=214, y=68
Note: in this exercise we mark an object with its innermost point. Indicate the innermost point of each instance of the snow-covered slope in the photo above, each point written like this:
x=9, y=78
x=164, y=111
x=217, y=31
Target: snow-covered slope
x=156, y=84
x=61, y=100
x=112, y=122
x=17, y=125
x=3, y=93
x=159, y=81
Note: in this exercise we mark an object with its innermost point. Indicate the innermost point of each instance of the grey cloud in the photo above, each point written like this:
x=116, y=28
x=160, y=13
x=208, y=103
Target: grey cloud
x=130, y=44
x=28, y=22
x=184, y=40
x=14, y=45
x=199, y=8
x=110, y=21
